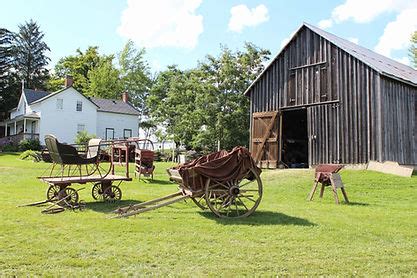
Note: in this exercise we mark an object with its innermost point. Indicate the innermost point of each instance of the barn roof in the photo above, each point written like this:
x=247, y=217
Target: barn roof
x=378, y=62
x=115, y=106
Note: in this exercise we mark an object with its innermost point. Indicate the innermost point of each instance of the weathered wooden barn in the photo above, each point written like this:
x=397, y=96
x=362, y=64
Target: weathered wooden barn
x=324, y=99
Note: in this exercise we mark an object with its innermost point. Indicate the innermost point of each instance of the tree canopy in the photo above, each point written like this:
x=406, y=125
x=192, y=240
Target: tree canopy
x=206, y=106
x=30, y=55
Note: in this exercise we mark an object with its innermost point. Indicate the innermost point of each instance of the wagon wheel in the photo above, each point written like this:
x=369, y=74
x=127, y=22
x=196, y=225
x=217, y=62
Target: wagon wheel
x=71, y=194
x=52, y=192
x=235, y=198
x=200, y=202
x=97, y=191
x=112, y=193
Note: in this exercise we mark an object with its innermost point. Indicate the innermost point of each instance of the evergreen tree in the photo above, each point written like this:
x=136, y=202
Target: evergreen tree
x=9, y=90
x=30, y=55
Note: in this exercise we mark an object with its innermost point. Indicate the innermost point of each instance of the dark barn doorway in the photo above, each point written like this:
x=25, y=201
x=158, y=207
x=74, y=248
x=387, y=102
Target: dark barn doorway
x=295, y=138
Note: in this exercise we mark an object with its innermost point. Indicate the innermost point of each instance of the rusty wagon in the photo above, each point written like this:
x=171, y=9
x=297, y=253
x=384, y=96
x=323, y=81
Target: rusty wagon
x=227, y=183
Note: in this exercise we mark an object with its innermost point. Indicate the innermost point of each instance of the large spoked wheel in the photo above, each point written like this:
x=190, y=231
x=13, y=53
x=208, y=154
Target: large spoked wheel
x=97, y=191
x=69, y=196
x=52, y=192
x=200, y=201
x=112, y=194
x=235, y=198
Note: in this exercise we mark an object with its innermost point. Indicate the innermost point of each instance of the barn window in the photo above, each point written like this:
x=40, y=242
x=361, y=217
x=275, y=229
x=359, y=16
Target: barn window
x=323, y=83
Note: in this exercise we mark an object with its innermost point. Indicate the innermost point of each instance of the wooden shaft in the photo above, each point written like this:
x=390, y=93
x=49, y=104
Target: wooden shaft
x=152, y=207
x=141, y=205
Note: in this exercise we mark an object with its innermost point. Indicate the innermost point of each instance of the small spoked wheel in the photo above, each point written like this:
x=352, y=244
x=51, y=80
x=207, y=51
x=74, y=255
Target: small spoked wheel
x=97, y=191
x=235, y=198
x=69, y=196
x=112, y=193
x=200, y=202
x=52, y=192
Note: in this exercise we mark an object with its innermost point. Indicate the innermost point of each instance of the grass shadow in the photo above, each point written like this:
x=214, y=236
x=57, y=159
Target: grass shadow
x=105, y=207
x=356, y=204
x=10, y=153
x=156, y=182
x=260, y=218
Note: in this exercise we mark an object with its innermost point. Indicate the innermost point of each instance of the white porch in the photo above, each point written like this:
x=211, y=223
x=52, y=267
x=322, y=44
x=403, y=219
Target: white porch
x=19, y=128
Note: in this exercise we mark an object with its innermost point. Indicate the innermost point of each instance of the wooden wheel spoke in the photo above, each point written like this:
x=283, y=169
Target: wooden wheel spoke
x=248, y=197
x=243, y=203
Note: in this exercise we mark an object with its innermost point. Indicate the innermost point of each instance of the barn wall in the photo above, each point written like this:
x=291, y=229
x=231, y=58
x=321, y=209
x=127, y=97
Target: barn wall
x=399, y=106
x=342, y=95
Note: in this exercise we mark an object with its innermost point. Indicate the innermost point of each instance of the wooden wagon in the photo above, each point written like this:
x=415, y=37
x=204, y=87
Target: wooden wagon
x=72, y=165
x=227, y=183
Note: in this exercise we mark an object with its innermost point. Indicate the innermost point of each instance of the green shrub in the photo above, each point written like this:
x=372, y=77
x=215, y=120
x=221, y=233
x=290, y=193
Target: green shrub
x=29, y=144
x=31, y=155
x=10, y=148
x=83, y=137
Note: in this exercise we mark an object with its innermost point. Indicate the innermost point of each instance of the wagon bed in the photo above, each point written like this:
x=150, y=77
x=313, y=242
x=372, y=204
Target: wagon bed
x=83, y=180
x=227, y=183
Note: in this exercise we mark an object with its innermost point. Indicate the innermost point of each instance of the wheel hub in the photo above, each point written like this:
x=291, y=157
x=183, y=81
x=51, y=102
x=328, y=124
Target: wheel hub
x=234, y=190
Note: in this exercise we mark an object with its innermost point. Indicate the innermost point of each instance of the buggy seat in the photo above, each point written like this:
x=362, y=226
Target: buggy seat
x=65, y=154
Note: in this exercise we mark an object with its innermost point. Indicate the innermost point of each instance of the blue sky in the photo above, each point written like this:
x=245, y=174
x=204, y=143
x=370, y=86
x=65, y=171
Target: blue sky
x=183, y=31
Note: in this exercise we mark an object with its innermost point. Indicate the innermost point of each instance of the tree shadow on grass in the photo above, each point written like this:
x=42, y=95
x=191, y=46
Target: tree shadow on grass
x=9, y=153
x=106, y=207
x=356, y=204
x=260, y=218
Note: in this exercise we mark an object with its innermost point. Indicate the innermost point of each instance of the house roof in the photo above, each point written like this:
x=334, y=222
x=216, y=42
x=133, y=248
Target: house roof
x=115, y=106
x=103, y=105
x=34, y=95
x=378, y=62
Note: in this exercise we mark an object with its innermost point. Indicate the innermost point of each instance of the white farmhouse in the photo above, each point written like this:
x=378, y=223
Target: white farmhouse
x=66, y=112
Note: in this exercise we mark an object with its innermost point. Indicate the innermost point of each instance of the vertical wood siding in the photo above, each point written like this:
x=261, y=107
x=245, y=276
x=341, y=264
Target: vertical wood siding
x=399, y=104
x=347, y=105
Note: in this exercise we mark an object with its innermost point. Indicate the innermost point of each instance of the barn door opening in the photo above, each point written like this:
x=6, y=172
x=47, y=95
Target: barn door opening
x=265, y=134
x=295, y=138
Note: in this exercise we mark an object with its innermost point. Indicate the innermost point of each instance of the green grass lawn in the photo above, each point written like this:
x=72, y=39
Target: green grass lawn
x=376, y=235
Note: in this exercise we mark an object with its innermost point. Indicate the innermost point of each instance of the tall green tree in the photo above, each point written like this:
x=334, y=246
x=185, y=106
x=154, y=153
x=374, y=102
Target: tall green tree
x=79, y=66
x=103, y=80
x=31, y=58
x=413, y=49
x=9, y=90
x=135, y=74
x=205, y=106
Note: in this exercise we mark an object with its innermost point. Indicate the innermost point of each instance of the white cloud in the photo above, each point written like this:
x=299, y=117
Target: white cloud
x=162, y=23
x=325, y=23
x=242, y=16
x=404, y=60
x=354, y=40
x=397, y=33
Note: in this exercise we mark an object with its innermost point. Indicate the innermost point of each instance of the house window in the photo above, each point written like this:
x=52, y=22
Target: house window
x=109, y=133
x=127, y=133
x=79, y=105
x=59, y=103
x=80, y=127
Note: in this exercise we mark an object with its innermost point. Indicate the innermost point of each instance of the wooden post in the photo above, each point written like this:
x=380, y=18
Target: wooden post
x=24, y=127
x=15, y=128
x=127, y=158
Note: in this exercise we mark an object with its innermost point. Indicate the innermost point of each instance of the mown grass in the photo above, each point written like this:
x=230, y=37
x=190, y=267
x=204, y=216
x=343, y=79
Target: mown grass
x=376, y=235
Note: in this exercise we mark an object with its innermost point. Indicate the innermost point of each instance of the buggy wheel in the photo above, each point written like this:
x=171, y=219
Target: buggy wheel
x=200, y=202
x=97, y=191
x=70, y=195
x=112, y=193
x=235, y=198
x=52, y=192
